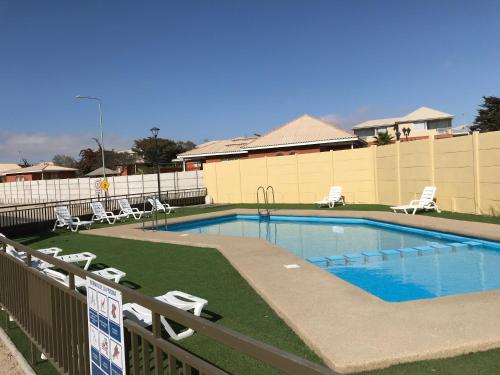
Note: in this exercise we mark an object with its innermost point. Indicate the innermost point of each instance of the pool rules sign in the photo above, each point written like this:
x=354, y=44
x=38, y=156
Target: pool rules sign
x=106, y=342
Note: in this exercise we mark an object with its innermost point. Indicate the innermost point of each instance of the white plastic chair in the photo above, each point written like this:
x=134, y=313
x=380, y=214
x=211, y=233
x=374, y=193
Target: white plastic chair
x=181, y=300
x=163, y=207
x=334, y=196
x=64, y=219
x=21, y=255
x=78, y=257
x=127, y=210
x=426, y=202
x=100, y=214
x=110, y=273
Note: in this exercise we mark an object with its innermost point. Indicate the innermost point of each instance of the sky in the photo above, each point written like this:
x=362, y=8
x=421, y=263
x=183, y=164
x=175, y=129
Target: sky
x=217, y=69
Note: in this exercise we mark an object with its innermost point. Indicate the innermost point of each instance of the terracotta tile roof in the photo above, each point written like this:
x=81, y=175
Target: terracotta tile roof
x=420, y=114
x=376, y=123
x=7, y=167
x=425, y=114
x=302, y=130
x=42, y=167
x=225, y=146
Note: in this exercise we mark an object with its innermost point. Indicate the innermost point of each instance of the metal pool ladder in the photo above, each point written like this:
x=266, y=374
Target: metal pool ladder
x=154, y=213
x=268, y=191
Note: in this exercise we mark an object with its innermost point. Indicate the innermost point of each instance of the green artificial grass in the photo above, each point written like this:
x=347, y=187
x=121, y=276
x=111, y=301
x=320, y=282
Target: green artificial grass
x=482, y=363
x=155, y=268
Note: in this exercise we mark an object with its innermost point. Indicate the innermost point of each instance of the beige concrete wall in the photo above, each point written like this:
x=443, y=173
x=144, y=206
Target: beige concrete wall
x=466, y=171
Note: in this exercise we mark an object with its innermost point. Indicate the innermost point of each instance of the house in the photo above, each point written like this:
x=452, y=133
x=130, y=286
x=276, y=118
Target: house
x=7, y=167
x=422, y=123
x=305, y=134
x=42, y=171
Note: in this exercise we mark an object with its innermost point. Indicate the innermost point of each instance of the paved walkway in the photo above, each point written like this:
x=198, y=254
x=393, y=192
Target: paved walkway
x=8, y=363
x=349, y=328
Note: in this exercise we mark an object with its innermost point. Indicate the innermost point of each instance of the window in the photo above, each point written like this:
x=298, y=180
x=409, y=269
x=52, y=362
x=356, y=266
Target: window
x=363, y=133
x=438, y=124
x=419, y=126
x=380, y=130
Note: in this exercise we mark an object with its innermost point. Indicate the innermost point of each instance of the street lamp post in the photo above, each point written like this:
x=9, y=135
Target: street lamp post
x=155, y=131
x=100, y=126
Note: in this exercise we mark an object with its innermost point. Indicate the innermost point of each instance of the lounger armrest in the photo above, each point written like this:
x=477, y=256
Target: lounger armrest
x=55, y=274
x=414, y=202
x=135, y=209
x=75, y=218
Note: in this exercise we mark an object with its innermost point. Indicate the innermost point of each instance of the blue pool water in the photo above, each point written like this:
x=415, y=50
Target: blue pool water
x=395, y=263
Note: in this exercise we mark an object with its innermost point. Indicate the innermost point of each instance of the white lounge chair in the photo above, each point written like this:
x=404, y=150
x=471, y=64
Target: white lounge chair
x=100, y=214
x=426, y=202
x=64, y=219
x=163, y=207
x=334, y=196
x=21, y=255
x=78, y=258
x=181, y=300
x=107, y=273
x=127, y=210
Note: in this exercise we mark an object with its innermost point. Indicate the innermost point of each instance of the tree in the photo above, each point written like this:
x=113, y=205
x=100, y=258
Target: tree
x=65, y=161
x=25, y=163
x=92, y=159
x=488, y=118
x=383, y=138
x=167, y=149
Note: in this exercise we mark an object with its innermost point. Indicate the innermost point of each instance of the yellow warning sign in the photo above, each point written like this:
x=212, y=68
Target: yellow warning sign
x=105, y=185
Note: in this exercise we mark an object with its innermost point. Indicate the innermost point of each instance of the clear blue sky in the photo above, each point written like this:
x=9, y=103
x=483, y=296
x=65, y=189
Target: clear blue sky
x=215, y=69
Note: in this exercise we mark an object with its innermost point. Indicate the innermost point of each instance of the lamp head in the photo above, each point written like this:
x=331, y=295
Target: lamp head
x=155, y=131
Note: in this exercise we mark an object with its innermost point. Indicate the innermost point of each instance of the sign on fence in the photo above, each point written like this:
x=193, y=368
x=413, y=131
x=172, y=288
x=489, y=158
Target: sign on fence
x=106, y=341
x=97, y=187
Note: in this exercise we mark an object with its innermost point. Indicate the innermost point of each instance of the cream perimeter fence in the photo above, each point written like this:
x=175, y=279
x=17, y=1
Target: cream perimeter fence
x=81, y=188
x=466, y=171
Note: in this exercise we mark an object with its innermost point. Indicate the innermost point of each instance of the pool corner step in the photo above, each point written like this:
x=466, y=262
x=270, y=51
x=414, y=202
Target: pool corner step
x=373, y=256
x=318, y=261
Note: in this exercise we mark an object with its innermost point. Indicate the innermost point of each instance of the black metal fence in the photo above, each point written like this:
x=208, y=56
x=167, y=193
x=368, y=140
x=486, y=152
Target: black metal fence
x=19, y=219
x=54, y=317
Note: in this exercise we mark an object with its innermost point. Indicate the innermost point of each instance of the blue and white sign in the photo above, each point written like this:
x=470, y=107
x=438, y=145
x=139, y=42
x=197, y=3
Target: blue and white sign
x=106, y=341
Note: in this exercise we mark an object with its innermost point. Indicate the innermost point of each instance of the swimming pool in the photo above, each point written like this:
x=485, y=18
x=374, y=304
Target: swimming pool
x=395, y=263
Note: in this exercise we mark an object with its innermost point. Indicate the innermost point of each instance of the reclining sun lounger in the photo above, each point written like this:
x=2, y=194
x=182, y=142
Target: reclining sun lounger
x=107, y=273
x=127, y=210
x=71, y=258
x=163, y=207
x=64, y=219
x=334, y=196
x=21, y=255
x=426, y=202
x=181, y=300
x=78, y=257
x=100, y=214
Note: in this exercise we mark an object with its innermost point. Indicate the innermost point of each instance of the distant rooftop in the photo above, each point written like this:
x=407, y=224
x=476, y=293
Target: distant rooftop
x=225, y=146
x=38, y=168
x=8, y=167
x=420, y=114
x=303, y=130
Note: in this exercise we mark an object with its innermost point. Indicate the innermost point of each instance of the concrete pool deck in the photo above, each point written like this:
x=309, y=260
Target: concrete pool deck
x=351, y=329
